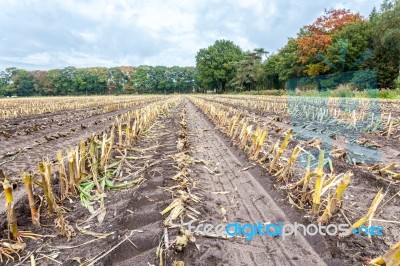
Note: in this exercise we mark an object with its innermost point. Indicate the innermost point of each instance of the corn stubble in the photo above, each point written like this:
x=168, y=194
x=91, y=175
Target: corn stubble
x=84, y=171
x=322, y=192
x=14, y=245
x=184, y=200
x=11, y=215
x=390, y=258
x=316, y=191
x=270, y=154
x=33, y=106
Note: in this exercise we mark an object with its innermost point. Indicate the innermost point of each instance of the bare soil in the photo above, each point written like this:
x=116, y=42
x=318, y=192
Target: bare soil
x=234, y=189
x=245, y=200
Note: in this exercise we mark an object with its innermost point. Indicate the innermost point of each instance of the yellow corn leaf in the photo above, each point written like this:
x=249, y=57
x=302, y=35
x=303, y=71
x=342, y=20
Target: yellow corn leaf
x=281, y=150
x=378, y=198
x=333, y=203
x=390, y=258
x=318, y=182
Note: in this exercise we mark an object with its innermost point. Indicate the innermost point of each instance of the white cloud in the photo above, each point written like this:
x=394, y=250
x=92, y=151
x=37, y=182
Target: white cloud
x=165, y=19
x=37, y=58
x=47, y=34
x=90, y=37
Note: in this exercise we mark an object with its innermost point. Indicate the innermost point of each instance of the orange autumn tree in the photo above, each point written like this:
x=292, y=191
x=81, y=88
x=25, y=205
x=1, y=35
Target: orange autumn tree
x=317, y=37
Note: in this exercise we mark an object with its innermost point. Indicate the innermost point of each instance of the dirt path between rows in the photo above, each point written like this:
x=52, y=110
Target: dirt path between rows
x=245, y=200
x=149, y=200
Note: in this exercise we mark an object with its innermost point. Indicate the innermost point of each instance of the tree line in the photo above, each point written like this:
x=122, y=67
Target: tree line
x=339, y=47
x=97, y=80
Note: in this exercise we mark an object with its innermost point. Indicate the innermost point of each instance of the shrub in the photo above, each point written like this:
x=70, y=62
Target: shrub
x=265, y=92
x=397, y=83
x=389, y=94
x=343, y=90
x=365, y=80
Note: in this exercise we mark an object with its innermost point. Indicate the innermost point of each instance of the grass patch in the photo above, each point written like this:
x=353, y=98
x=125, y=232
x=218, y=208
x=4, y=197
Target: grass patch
x=341, y=91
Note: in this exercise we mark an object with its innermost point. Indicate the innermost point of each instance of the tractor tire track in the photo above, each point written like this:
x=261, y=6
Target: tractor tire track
x=246, y=202
x=148, y=202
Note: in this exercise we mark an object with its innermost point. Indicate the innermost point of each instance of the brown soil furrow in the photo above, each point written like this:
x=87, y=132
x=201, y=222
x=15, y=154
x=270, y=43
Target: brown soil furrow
x=26, y=125
x=148, y=202
x=241, y=204
x=19, y=124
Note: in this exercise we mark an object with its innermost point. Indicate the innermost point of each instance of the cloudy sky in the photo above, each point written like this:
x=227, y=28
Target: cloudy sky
x=45, y=34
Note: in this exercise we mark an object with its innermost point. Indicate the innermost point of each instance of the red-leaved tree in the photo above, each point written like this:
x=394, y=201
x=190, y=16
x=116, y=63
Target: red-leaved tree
x=318, y=37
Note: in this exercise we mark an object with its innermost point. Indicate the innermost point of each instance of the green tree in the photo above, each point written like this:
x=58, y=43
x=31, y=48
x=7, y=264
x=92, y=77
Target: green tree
x=282, y=66
x=271, y=76
x=7, y=87
x=116, y=80
x=52, y=84
x=23, y=83
x=351, y=47
x=67, y=81
x=163, y=79
x=215, y=64
x=39, y=80
x=386, y=41
x=94, y=80
x=249, y=71
x=185, y=80
x=142, y=79
x=287, y=65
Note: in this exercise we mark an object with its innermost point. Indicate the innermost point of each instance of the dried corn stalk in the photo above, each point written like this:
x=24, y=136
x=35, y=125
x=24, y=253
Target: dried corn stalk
x=390, y=258
x=11, y=215
x=45, y=172
x=334, y=202
x=318, y=182
x=64, y=185
x=258, y=142
x=27, y=179
x=283, y=173
x=368, y=217
x=281, y=150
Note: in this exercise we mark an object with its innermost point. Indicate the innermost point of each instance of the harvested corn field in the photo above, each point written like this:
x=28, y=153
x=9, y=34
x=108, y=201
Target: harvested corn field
x=199, y=180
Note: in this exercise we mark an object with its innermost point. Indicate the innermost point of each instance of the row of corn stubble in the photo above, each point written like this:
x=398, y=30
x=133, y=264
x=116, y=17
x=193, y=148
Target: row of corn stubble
x=312, y=192
x=84, y=173
x=184, y=199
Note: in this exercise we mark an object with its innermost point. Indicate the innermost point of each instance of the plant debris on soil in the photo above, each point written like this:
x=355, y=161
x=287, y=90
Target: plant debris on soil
x=124, y=182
